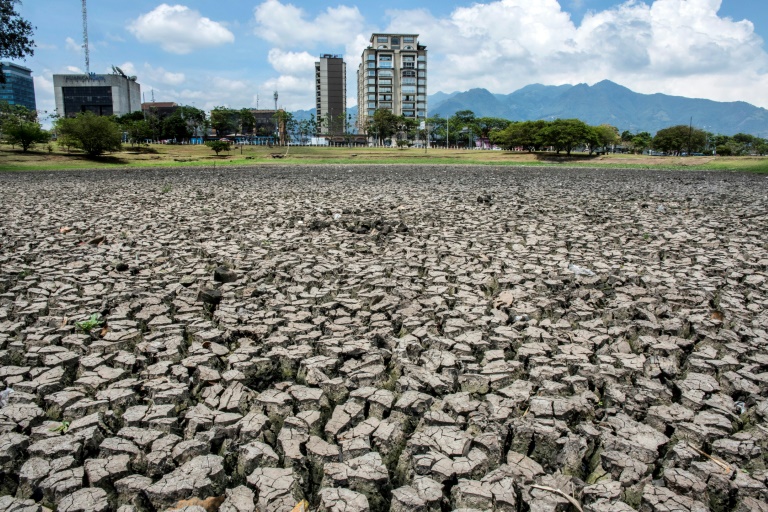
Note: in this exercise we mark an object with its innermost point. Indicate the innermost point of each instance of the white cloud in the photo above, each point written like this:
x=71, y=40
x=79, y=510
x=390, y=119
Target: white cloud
x=286, y=25
x=179, y=29
x=292, y=63
x=72, y=45
x=161, y=75
x=677, y=47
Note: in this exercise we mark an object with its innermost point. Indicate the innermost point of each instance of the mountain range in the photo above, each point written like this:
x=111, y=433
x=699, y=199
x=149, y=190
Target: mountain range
x=602, y=103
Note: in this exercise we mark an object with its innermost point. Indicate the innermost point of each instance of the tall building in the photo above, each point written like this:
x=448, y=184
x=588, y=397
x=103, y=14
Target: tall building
x=19, y=88
x=104, y=95
x=331, y=89
x=392, y=75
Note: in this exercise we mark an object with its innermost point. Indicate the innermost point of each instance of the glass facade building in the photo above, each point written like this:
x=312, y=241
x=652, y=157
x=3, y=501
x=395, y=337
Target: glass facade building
x=19, y=87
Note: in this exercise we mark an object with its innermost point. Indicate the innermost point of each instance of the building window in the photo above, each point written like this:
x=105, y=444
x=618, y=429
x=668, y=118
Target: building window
x=420, y=97
x=371, y=73
x=408, y=113
x=408, y=97
x=385, y=81
x=382, y=39
x=422, y=58
x=408, y=39
x=385, y=89
x=385, y=64
x=422, y=65
x=423, y=90
x=383, y=47
x=408, y=105
x=385, y=57
x=385, y=97
x=408, y=81
x=422, y=74
x=422, y=81
x=408, y=89
x=422, y=113
x=371, y=104
x=395, y=40
x=409, y=73
x=371, y=56
x=408, y=58
x=386, y=72
x=372, y=97
x=385, y=105
x=371, y=64
x=371, y=112
x=408, y=64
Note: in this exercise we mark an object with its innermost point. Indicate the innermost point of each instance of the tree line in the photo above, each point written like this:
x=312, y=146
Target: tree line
x=96, y=135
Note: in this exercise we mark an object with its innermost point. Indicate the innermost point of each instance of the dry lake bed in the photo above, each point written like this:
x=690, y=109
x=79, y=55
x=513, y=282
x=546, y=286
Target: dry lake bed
x=383, y=338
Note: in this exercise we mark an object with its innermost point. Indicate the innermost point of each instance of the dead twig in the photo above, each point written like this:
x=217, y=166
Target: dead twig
x=561, y=493
x=719, y=462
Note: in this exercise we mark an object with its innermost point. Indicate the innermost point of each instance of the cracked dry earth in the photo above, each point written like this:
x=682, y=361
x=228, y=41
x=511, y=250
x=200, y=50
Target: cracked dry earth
x=383, y=339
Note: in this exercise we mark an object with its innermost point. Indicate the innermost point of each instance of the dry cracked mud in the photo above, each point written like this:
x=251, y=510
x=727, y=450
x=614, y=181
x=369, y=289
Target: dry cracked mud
x=385, y=338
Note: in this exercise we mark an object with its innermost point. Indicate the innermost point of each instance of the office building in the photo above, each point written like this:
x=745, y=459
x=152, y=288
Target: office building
x=104, y=95
x=331, y=92
x=392, y=75
x=19, y=88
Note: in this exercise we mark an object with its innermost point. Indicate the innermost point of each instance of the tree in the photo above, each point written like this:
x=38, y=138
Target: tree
x=176, y=127
x=677, y=138
x=218, y=145
x=384, y=124
x=15, y=34
x=26, y=134
x=93, y=134
x=138, y=131
x=566, y=134
x=247, y=121
x=437, y=126
x=483, y=126
x=224, y=120
x=525, y=134
x=606, y=136
x=641, y=141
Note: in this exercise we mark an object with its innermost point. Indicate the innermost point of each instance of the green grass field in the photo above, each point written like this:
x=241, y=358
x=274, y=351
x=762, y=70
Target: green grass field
x=159, y=155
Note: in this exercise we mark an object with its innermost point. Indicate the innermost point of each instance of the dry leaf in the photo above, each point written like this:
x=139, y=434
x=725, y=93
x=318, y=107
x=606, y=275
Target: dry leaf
x=104, y=330
x=65, y=229
x=505, y=299
x=302, y=506
x=717, y=315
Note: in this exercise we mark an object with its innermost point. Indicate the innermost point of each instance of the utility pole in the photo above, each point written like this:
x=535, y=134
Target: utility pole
x=85, y=40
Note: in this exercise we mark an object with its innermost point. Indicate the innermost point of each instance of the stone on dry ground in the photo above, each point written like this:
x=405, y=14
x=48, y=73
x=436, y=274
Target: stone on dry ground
x=383, y=338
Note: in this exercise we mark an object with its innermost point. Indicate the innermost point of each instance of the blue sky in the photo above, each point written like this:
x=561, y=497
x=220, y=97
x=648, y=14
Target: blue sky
x=235, y=52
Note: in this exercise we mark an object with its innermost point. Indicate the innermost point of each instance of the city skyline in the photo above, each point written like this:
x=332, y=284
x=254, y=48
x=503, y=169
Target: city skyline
x=237, y=55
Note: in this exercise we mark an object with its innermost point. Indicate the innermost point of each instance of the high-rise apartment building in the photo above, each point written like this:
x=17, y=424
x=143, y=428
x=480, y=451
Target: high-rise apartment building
x=331, y=89
x=392, y=75
x=19, y=88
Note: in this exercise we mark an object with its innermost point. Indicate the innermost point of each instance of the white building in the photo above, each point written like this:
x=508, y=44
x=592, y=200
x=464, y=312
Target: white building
x=104, y=95
x=392, y=75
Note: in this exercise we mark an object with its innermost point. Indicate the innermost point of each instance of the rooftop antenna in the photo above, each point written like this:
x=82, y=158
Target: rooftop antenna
x=153, y=95
x=85, y=40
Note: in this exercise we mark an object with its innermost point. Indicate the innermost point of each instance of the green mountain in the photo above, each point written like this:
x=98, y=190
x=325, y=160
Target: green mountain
x=606, y=102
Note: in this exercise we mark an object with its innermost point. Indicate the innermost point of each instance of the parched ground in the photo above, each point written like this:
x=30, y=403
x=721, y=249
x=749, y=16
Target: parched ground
x=383, y=338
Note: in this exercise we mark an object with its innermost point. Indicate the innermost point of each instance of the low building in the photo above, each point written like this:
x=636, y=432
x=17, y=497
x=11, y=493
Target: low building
x=104, y=95
x=162, y=109
x=19, y=87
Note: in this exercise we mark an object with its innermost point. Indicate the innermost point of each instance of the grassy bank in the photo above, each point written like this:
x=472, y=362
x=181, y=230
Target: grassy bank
x=159, y=155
